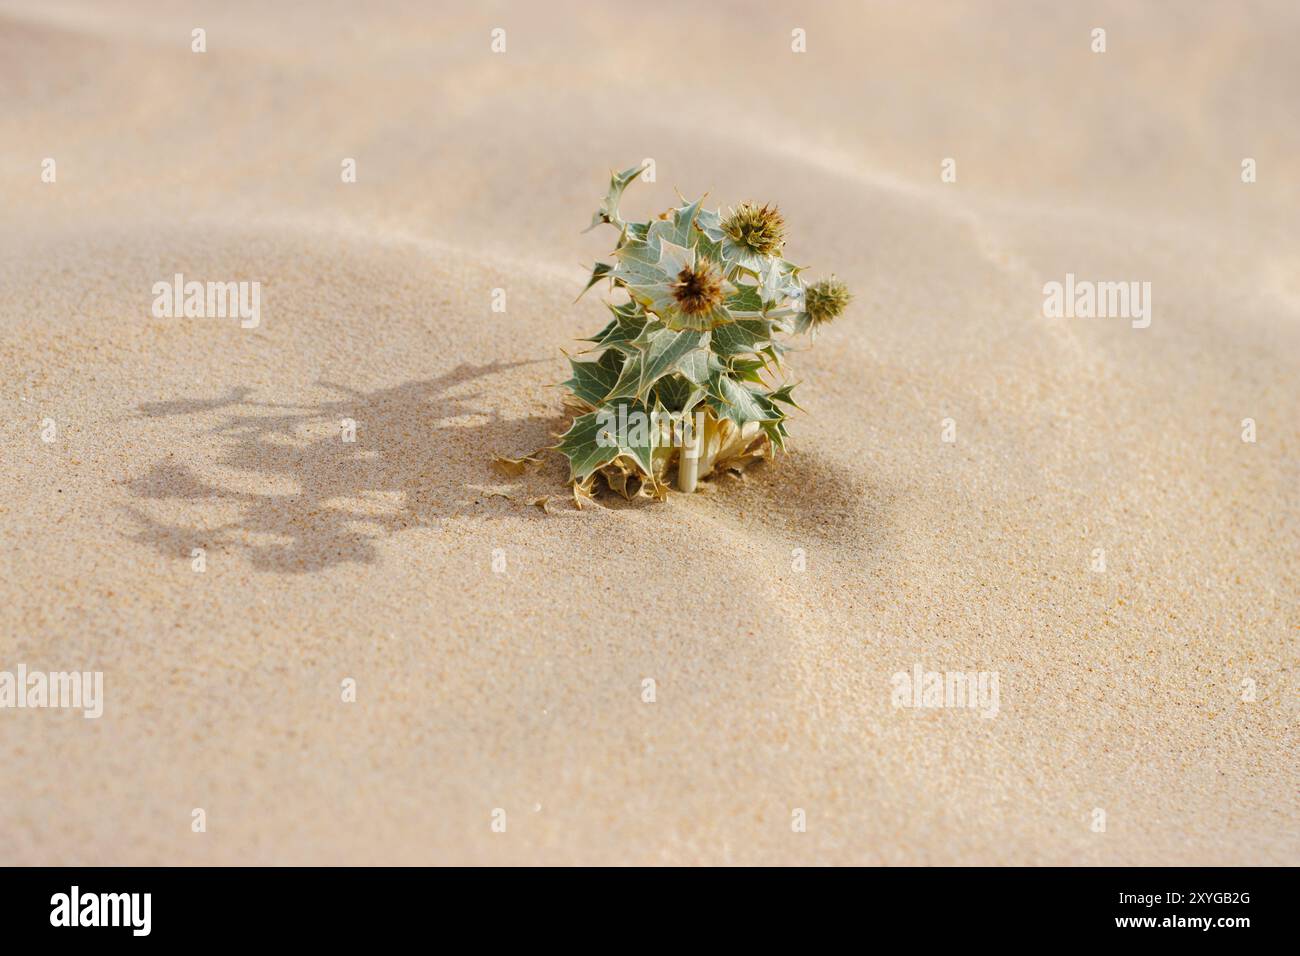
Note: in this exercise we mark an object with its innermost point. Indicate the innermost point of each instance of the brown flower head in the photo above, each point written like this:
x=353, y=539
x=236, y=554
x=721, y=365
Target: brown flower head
x=698, y=288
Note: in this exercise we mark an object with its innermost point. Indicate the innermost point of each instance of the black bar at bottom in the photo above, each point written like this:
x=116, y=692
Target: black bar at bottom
x=927, y=906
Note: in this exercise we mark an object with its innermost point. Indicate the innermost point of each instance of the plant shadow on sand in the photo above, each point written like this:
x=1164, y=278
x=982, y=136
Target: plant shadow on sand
x=807, y=497
x=421, y=455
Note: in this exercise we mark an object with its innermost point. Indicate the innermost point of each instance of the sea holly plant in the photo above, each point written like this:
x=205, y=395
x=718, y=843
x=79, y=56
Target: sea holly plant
x=686, y=380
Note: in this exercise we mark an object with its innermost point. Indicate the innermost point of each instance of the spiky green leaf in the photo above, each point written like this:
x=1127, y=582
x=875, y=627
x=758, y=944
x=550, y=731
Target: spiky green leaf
x=597, y=438
x=744, y=337
x=745, y=302
x=627, y=325
x=785, y=395
x=592, y=381
x=600, y=271
x=678, y=393
x=608, y=211
x=733, y=400
x=658, y=352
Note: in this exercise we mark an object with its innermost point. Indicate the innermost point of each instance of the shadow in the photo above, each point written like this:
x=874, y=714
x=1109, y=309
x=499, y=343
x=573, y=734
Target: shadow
x=421, y=454
x=236, y=396
x=810, y=497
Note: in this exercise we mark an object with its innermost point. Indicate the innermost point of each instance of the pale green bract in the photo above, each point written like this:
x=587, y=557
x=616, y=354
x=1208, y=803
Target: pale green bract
x=698, y=339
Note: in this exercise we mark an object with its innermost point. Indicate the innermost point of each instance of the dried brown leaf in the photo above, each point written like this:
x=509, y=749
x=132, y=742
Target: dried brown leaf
x=514, y=467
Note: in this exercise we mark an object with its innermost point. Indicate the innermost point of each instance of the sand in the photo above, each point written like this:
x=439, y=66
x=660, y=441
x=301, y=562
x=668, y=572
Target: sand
x=1127, y=690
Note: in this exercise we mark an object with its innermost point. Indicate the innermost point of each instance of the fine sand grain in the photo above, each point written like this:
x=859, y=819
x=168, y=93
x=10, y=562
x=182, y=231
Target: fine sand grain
x=1125, y=690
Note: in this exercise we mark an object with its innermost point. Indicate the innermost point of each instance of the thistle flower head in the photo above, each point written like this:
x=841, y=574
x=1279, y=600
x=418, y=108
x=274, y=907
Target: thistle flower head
x=684, y=288
x=698, y=288
x=825, y=300
x=760, y=229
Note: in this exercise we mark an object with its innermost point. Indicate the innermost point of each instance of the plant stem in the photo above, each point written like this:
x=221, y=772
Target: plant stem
x=688, y=465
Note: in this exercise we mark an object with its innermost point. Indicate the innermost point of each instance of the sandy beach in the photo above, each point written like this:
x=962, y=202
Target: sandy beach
x=1072, y=504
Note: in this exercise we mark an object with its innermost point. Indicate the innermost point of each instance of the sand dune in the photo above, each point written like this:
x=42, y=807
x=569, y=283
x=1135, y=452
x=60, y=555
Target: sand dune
x=1120, y=690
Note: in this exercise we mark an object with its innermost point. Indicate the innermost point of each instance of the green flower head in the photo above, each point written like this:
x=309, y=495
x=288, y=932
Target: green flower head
x=825, y=300
x=753, y=233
